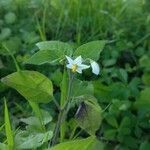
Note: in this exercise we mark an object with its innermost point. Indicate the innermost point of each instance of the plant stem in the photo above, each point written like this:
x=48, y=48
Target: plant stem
x=16, y=64
x=57, y=127
x=63, y=112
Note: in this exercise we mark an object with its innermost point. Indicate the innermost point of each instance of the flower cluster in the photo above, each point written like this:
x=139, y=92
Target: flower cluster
x=77, y=65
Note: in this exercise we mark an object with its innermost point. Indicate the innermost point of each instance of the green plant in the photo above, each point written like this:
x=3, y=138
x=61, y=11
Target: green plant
x=121, y=90
x=37, y=88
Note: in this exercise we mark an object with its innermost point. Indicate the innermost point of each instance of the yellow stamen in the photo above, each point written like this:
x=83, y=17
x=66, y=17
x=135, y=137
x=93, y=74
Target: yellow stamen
x=74, y=68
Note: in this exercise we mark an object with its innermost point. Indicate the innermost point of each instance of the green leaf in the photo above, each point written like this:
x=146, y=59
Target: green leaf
x=145, y=145
x=9, y=134
x=110, y=134
x=122, y=75
x=101, y=91
x=88, y=115
x=55, y=46
x=109, y=62
x=27, y=140
x=144, y=61
x=50, y=52
x=35, y=122
x=144, y=100
x=32, y=121
x=146, y=78
x=129, y=141
x=90, y=50
x=3, y=146
x=33, y=85
x=111, y=120
x=57, y=77
x=87, y=88
x=90, y=143
x=42, y=57
x=13, y=44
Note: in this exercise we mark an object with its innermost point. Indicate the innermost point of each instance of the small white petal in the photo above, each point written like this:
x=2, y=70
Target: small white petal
x=69, y=66
x=95, y=67
x=78, y=60
x=79, y=70
x=70, y=61
x=83, y=66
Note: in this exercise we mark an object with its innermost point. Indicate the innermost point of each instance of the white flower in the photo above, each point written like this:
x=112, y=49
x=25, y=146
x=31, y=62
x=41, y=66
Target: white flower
x=95, y=67
x=76, y=65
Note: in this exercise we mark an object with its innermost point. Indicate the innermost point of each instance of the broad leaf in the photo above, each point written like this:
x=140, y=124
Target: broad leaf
x=50, y=52
x=42, y=57
x=26, y=140
x=88, y=115
x=33, y=85
x=35, y=122
x=90, y=143
x=90, y=50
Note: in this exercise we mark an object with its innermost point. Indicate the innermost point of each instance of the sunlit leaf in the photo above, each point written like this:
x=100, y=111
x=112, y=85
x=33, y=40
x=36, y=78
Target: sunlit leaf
x=90, y=143
x=50, y=52
x=33, y=85
x=90, y=50
x=26, y=140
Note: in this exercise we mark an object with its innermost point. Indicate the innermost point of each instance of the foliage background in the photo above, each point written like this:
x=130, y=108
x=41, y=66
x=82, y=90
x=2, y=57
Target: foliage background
x=125, y=61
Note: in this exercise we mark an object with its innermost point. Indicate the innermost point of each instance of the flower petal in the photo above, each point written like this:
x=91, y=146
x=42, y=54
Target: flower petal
x=69, y=66
x=82, y=66
x=70, y=61
x=78, y=60
x=95, y=67
x=79, y=70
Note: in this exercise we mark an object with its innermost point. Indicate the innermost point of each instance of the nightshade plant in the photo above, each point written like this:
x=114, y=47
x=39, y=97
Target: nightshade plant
x=37, y=88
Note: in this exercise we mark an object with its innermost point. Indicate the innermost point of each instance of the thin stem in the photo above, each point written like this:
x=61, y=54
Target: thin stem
x=16, y=64
x=77, y=134
x=43, y=38
x=63, y=112
x=73, y=132
x=57, y=127
x=56, y=103
x=107, y=107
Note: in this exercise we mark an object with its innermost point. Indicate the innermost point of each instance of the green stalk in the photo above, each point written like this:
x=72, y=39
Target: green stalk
x=62, y=102
x=16, y=64
x=43, y=38
x=63, y=112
